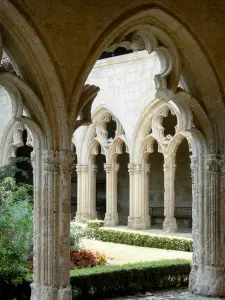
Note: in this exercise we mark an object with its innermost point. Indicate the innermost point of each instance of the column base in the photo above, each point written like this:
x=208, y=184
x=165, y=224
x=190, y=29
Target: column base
x=50, y=292
x=94, y=215
x=139, y=223
x=207, y=280
x=78, y=217
x=111, y=220
x=170, y=225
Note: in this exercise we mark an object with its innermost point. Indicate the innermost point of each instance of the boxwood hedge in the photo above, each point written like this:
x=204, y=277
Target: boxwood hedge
x=108, y=281
x=138, y=239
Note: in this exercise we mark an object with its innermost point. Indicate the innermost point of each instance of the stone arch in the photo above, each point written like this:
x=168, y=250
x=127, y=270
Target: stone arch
x=91, y=132
x=116, y=149
x=159, y=18
x=33, y=64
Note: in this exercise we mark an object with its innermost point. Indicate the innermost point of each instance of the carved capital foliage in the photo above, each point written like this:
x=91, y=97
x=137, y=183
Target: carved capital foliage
x=107, y=168
x=95, y=168
x=137, y=169
x=84, y=168
x=131, y=169
x=167, y=167
x=66, y=159
x=78, y=169
x=134, y=169
x=51, y=161
x=214, y=163
x=148, y=168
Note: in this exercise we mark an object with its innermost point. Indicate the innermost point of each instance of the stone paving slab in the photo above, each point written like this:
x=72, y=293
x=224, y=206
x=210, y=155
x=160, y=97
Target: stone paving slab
x=180, y=296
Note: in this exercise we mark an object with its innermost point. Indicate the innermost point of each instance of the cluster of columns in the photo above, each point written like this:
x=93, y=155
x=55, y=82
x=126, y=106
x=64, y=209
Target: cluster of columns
x=208, y=270
x=139, y=217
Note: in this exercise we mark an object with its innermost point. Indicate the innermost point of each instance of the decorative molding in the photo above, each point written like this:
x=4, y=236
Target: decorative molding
x=108, y=168
x=214, y=163
x=88, y=95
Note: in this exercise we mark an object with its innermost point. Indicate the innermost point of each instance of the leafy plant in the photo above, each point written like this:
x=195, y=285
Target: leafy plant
x=12, y=169
x=76, y=234
x=86, y=258
x=15, y=230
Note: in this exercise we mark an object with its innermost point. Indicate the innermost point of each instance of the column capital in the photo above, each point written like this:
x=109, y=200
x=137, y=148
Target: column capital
x=78, y=169
x=147, y=168
x=107, y=168
x=84, y=168
x=66, y=160
x=51, y=161
x=134, y=169
x=95, y=168
x=131, y=169
x=169, y=165
x=214, y=163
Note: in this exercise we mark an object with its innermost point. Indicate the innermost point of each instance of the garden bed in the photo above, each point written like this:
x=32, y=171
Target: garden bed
x=109, y=281
x=95, y=230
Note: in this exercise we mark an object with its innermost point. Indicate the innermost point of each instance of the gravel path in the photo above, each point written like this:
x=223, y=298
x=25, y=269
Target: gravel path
x=123, y=254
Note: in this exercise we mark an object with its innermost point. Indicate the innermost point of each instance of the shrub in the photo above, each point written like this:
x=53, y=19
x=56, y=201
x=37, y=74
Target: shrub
x=105, y=281
x=86, y=258
x=76, y=234
x=95, y=224
x=141, y=240
x=15, y=230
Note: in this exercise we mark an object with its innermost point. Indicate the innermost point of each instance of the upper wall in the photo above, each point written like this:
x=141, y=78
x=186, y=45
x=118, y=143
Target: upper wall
x=126, y=86
x=70, y=28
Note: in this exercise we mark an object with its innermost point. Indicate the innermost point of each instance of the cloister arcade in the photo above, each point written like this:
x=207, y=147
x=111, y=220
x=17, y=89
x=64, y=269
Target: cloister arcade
x=52, y=98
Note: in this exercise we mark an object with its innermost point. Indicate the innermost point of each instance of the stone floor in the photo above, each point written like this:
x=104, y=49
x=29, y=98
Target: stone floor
x=179, y=294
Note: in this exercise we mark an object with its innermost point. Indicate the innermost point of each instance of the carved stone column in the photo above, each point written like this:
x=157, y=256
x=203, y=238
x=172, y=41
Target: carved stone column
x=131, y=196
x=79, y=196
x=52, y=198
x=92, y=191
x=85, y=186
x=207, y=275
x=139, y=213
x=169, y=224
x=111, y=216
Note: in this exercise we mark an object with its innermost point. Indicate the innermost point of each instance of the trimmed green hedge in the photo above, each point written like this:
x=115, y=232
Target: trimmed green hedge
x=141, y=240
x=107, y=281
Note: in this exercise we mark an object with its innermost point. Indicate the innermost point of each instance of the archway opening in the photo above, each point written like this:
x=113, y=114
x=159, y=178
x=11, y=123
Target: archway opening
x=123, y=187
x=100, y=185
x=23, y=155
x=156, y=187
x=183, y=188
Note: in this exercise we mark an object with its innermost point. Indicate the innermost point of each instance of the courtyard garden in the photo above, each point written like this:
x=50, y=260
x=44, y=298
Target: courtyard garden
x=103, y=262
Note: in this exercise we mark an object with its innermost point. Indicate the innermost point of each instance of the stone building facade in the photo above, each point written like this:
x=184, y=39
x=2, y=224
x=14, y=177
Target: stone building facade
x=106, y=149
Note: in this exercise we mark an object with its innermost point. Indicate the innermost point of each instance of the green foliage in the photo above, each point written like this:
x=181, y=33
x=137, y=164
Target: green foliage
x=105, y=281
x=11, y=169
x=92, y=227
x=141, y=240
x=77, y=232
x=15, y=229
